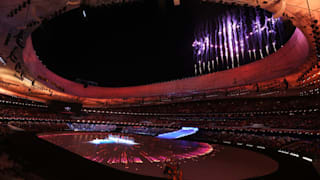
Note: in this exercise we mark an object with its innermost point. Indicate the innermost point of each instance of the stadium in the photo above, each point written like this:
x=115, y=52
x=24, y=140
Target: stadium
x=159, y=89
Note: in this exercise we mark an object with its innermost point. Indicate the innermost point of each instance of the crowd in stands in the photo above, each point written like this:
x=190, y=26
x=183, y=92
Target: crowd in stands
x=288, y=113
x=91, y=127
x=290, y=124
x=304, y=147
x=275, y=142
x=304, y=120
x=238, y=106
x=38, y=126
x=307, y=121
x=151, y=131
x=4, y=99
x=13, y=111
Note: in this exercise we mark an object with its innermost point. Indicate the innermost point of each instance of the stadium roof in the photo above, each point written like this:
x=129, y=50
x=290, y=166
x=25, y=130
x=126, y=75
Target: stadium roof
x=23, y=74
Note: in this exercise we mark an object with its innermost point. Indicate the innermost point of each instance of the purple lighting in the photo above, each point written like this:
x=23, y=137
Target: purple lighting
x=121, y=150
x=185, y=131
x=225, y=41
x=111, y=139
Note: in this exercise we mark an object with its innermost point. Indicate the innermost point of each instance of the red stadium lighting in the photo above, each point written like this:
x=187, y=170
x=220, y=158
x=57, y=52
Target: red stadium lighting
x=176, y=2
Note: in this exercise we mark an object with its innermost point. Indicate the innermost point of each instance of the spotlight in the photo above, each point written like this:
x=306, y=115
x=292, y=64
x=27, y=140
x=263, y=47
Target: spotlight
x=3, y=61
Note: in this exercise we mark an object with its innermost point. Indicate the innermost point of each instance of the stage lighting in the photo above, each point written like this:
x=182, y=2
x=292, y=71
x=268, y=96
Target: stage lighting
x=84, y=13
x=3, y=61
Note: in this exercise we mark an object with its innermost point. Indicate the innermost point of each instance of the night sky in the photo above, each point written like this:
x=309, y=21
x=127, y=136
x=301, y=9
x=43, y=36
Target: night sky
x=123, y=45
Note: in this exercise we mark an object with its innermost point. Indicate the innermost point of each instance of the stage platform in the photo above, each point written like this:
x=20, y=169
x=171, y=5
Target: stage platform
x=146, y=155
